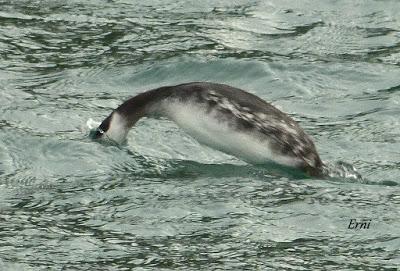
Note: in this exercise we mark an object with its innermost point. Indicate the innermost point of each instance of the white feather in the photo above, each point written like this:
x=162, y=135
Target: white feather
x=118, y=129
x=207, y=129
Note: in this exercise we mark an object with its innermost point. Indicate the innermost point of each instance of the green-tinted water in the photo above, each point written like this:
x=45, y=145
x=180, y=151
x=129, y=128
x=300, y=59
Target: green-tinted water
x=164, y=201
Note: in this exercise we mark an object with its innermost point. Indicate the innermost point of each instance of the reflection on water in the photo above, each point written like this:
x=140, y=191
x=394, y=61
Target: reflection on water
x=164, y=201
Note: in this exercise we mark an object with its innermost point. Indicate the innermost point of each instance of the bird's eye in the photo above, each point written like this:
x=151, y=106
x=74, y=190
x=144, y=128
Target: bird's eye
x=98, y=133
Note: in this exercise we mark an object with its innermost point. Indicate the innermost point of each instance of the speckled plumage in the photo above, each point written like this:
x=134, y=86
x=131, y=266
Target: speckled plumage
x=236, y=110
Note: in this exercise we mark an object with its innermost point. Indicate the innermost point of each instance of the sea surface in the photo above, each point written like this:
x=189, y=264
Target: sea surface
x=163, y=201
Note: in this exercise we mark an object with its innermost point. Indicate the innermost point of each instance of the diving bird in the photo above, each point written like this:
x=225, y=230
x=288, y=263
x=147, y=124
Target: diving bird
x=224, y=118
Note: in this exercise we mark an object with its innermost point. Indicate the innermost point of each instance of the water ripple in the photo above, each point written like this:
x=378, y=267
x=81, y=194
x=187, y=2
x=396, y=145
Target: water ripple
x=163, y=201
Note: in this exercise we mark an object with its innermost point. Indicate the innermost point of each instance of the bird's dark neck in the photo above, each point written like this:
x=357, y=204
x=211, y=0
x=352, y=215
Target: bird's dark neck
x=143, y=104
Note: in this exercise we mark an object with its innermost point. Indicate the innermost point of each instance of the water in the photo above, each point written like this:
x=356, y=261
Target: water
x=163, y=201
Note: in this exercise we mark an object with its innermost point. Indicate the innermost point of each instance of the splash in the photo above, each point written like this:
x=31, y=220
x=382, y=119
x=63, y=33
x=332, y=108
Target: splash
x=342, y=170
x=92, y=124
x=90, y=127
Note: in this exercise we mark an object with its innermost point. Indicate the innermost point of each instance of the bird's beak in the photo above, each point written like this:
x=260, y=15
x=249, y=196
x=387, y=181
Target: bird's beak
x=96, y=133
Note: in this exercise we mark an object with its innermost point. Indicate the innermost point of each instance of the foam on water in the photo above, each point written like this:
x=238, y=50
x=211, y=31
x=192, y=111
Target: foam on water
x=163, y=201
